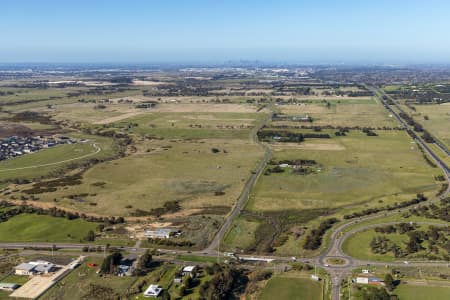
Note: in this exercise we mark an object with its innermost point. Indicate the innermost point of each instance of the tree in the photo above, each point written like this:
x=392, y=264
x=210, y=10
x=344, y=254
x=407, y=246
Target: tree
x=187, y=282
x=90, y=237
x=144, y=263
x=389, y=282
x=111, y=262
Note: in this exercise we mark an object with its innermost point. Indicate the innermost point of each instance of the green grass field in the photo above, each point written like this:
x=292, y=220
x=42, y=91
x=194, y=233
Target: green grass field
x=77, y=284
x=42, y=228
x=178, y=125
x=439, y=120
x=48, y=161
x=287, y=288
x=354, y=169
x=162, y=171
x=342, y=112
x=358, y=245
x=351, y=174
x=411, y=292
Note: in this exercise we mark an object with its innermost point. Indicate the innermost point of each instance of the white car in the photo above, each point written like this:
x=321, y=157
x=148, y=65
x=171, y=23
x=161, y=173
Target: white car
x=405, y=262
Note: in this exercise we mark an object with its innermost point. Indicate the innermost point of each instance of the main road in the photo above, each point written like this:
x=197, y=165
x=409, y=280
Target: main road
x=245, y=194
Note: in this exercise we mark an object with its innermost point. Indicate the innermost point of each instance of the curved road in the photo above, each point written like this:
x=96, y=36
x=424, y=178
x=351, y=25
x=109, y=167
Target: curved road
x=97, y=148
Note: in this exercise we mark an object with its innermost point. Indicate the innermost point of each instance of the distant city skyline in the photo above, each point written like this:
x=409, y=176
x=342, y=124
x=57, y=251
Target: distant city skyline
x=200, y=31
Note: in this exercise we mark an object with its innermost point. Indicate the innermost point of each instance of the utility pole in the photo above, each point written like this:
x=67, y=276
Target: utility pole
x=349, y=287
x=218, y=252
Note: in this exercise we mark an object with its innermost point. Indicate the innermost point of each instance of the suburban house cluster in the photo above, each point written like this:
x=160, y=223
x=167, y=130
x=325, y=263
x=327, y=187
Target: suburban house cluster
x=15, y=146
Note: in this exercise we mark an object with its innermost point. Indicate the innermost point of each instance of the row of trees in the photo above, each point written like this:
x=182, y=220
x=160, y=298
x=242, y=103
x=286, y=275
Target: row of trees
x=54, y=212
x=314, y=238
x=419, y=198
x=226, y=283
x=433, y=211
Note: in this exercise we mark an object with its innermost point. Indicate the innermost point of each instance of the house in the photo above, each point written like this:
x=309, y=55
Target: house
x=24, y=269
x=153, y=291
x=35, y=267
x=188, y=270
x=4, y=286
x=127, y=265
x=163, y=233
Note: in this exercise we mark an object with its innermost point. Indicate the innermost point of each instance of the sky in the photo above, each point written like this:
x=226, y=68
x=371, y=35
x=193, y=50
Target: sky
x=214, y=31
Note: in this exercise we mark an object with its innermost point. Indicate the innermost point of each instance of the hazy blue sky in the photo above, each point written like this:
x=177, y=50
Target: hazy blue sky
x=206, y=31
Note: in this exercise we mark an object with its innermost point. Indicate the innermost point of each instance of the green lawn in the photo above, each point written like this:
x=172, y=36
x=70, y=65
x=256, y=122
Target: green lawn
x=77, y=285
x=358, y=245
x=17, y=279
x=47, y=161
x=286, y=288
x=42, y=228
x=411, y=292
x=241, y=234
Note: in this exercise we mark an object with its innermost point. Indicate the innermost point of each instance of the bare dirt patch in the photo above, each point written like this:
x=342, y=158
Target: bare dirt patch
x=119, y=118
x=185, y=107
x=148, y=82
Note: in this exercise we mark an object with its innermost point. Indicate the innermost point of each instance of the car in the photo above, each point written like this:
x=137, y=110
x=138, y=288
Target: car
x=405, y=262
x=294, y=258
x=326, y=265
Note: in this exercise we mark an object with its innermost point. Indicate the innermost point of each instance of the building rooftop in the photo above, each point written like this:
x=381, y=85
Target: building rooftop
x=25, y=267
x=188, y=268
x=153, y=290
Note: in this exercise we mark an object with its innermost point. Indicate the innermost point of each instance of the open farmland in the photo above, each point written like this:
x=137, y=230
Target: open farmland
x=192, y=125
x=162, y=171
x=351, y=173
x=437, y=122
x=343, y=112
x=345, y=173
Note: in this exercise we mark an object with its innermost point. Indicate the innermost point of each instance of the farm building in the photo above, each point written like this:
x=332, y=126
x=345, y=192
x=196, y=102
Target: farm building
x=35, y=267
x=188, y=270
x=153, y=291
x=367, y=279
x=163, y=233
